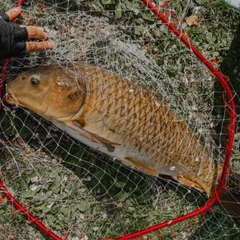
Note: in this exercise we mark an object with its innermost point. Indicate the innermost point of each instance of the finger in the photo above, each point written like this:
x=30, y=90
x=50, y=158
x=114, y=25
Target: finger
x=36, y=32
x=13, y=13
x=39, y=46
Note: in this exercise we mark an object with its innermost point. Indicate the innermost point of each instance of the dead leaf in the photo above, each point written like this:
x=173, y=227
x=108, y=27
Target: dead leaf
x=193, y=20
x=119, y=205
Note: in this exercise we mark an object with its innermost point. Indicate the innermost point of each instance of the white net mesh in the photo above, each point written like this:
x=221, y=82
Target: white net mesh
x=77, y=191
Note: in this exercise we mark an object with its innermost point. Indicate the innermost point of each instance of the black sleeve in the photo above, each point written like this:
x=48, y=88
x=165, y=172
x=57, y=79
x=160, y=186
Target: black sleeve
x=12, y=38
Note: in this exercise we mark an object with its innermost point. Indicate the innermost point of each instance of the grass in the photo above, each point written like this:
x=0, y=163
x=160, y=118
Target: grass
x=83, y=192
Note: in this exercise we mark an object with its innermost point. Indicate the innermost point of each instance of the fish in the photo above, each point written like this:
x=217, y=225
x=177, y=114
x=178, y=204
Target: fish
x=125, y=120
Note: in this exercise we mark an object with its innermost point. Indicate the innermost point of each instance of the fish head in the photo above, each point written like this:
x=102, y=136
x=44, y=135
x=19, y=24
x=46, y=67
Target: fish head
x=51, y=91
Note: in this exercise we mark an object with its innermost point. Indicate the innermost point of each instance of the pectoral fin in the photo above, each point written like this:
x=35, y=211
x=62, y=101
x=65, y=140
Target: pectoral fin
x=92, y=136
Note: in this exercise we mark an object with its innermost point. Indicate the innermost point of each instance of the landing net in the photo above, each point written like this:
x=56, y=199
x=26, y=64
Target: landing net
x=79, y=193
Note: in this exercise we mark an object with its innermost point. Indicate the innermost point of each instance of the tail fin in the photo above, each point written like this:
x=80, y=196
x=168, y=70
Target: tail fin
x=230, y=197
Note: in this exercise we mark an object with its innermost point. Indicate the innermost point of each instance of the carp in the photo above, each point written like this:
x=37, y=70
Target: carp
x=124, y=120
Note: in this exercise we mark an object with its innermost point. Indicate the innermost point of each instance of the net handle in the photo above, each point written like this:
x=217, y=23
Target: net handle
x=231, y=130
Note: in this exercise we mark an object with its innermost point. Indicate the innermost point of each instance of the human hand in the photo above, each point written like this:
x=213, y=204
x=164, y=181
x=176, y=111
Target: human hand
x=13, y=38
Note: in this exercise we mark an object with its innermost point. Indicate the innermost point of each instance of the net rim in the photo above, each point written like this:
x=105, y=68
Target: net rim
x=231, y=131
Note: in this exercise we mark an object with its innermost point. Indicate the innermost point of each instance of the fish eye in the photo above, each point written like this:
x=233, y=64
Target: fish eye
x=34, y=81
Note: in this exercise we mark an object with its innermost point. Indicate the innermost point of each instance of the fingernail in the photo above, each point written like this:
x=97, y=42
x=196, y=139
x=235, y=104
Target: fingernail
x=51, y=44
x=17, y=9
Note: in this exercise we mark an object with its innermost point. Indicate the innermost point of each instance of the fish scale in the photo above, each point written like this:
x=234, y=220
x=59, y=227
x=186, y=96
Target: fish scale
x=155, y=130
x=122, y=119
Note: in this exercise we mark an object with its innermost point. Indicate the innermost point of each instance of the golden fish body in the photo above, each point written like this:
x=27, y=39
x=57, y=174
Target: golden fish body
x=118, y=117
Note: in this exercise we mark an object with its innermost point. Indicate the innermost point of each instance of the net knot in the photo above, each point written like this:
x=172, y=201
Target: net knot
x=165, y=4
x=170, y=14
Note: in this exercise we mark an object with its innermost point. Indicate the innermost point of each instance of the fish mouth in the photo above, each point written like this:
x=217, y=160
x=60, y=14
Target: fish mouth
x=10, y=97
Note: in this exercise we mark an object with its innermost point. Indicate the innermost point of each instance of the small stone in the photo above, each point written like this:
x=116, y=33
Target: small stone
x=33, y=187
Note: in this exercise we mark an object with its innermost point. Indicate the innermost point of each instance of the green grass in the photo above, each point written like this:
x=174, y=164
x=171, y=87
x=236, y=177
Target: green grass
x=82, y=191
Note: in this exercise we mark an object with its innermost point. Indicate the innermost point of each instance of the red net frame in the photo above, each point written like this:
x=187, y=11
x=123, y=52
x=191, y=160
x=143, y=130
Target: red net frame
x=231, y=130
